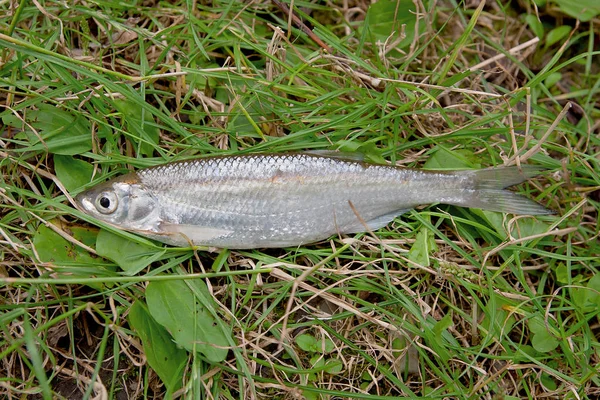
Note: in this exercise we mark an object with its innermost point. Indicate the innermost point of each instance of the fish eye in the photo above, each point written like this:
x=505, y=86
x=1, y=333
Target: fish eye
x=106, y=202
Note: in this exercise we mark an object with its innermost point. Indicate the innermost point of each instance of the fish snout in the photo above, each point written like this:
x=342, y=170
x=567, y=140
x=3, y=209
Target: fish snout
x=83, y=202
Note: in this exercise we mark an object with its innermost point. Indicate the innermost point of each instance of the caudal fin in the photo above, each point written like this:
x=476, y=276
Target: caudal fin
x=487, y=190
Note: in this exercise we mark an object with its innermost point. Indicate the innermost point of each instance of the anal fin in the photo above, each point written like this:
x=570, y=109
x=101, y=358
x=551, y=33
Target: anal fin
x=375, y=223
x=198, y=235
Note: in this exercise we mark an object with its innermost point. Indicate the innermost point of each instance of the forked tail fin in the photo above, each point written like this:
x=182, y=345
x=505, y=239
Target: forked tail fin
x=487, y=190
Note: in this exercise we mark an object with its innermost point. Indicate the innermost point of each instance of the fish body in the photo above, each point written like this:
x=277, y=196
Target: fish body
x=271, y=200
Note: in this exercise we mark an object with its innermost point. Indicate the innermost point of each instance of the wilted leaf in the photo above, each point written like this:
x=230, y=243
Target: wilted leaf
x=165, y=358
x=123, y=37
x=176, y=307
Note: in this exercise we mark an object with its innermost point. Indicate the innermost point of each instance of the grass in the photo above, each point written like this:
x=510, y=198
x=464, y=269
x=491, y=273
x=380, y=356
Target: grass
x=444, y=302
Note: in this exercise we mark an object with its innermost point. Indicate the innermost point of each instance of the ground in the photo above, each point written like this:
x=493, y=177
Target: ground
x=446, y=302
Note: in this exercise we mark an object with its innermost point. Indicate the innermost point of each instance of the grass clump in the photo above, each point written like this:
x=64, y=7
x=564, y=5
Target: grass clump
x=444, y=302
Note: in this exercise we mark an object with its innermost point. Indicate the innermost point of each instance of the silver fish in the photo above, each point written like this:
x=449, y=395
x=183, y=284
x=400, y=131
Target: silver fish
x=280, y=200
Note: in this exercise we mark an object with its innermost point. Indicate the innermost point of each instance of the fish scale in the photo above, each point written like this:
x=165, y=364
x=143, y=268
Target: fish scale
x=273, y=200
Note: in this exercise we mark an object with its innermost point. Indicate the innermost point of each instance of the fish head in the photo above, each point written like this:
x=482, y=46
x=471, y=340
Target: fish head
x=123, y=202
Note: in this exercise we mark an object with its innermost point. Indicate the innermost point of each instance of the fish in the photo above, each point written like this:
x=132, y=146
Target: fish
x=288, y=200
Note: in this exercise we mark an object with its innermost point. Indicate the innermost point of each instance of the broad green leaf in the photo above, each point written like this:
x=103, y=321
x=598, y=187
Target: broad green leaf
x=398, y=344
x=522, y=227
x=587, y=298
x=349, y=146
x=444, y=158
x=524, y=354
x=246, y=122
x=308, y=343
x=317, y=362
x=71, y=260
x=557, y=34
x=130, y=256
x=542, y=340
x=536, y=325
x=562, y=273
x=333, y=366
x=423, y=246
x=51, y=247
x=329, y=345
x=328, y=365
x=165, y=358
x=72, y=173
x=443, y=324
x=499, y=316
x=579, y=297
x=176, y=307
x=438, y=344
x=366, y=376
x=309, y=395
x=548, y=381
x=552, y=79
x=594, y=290
x=583, y=10
x=140, y=123
x=360, y=151
x=61, y=132
x=535, y=25
x=386, y=17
